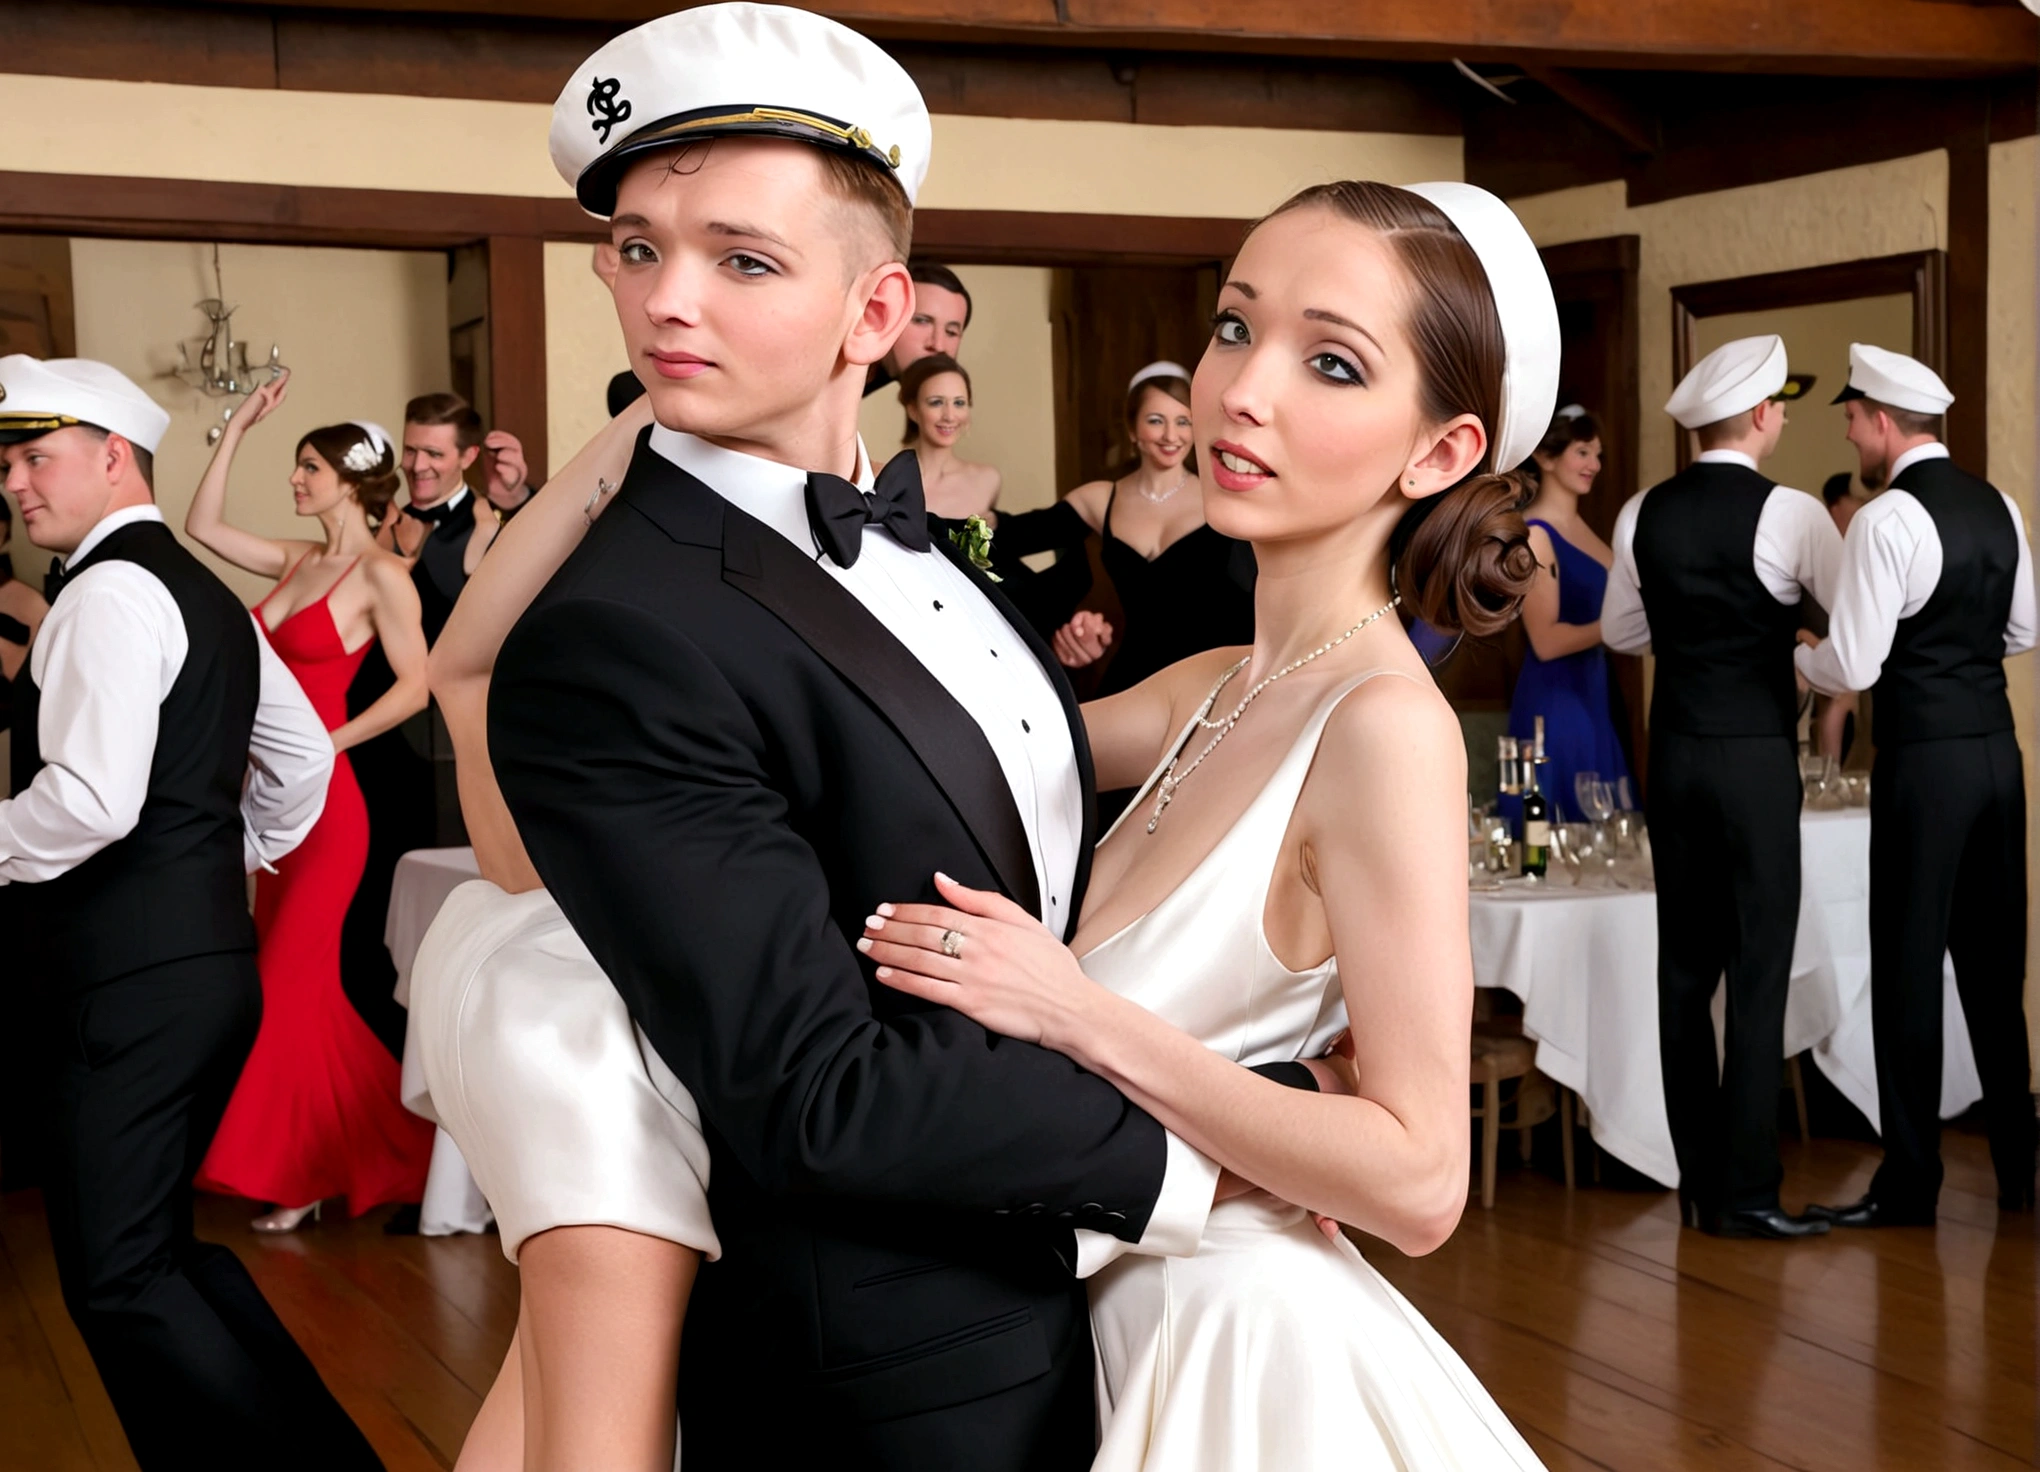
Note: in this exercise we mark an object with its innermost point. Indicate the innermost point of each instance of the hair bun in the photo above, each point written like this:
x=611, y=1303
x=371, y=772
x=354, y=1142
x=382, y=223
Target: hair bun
x=1462, y=558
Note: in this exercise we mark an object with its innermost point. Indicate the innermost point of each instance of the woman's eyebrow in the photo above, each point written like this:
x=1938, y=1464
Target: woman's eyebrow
x=1318, y=314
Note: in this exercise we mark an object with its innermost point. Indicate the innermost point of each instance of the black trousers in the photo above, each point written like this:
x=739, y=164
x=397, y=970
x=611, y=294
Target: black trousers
x=1948, y=873
x=1724, y=837
x=199, y=1367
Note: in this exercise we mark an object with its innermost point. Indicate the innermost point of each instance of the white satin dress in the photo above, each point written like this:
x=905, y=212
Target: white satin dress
x=565, y=1113
x=1271, y=1347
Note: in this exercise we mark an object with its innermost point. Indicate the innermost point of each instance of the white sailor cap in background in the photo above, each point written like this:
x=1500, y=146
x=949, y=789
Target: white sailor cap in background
x=1894, y=379
x=39, y=396
x=1734, y=377
x=720, y=71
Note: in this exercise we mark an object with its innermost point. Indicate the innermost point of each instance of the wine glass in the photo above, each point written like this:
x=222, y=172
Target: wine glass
x=1582, y=787
x=1597, y=801
x=1623, y=801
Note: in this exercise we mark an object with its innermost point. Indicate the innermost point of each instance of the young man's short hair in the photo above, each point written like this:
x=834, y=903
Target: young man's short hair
x=929, y=273
x=1726, y=431
x=1907, y=421
x=429, y=409
x=145, y=460
x=860, y=183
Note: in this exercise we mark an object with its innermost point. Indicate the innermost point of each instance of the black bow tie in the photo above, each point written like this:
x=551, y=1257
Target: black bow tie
x=433, y=515
x=838, y=512
x=53, y=580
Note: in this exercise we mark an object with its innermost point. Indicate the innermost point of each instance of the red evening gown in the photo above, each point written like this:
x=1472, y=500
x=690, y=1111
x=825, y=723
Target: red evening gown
x=316, y=1114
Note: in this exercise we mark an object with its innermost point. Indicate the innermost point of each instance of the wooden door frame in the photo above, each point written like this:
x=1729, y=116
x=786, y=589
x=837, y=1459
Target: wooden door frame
x=1920, y=274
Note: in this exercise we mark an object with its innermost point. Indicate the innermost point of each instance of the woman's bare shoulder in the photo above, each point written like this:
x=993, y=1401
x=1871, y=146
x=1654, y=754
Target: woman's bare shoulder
x=1394, y=729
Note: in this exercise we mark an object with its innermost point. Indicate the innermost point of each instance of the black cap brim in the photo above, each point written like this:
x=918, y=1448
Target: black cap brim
x=18, y=429
x=1849, y=391
x=596, y=188
x=1796, y=386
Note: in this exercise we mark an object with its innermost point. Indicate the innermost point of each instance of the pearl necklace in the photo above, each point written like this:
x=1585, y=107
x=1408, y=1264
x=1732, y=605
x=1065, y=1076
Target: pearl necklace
x=1166, y=788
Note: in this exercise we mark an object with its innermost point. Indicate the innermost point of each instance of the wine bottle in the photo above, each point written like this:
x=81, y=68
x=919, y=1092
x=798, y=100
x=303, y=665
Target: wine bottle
x=1536, y=809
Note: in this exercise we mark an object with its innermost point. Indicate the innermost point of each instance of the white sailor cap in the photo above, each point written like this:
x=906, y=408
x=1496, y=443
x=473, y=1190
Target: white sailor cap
x=1894, y=379
x=39, y=396
x=1736, y=376
x=723, y=70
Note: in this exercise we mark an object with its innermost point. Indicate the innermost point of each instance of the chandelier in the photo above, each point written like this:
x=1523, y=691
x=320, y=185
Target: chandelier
x=222, y=370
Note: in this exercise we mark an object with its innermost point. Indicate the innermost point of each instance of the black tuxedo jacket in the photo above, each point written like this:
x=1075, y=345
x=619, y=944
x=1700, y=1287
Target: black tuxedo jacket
x=721, y=762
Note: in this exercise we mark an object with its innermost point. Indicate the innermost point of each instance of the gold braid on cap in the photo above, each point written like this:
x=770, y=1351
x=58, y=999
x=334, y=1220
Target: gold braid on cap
x=858, y=138
x=43, y=422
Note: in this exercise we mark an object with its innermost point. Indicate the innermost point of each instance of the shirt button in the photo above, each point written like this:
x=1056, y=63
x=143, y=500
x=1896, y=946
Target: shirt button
x=1027, y=728
x=938, y=605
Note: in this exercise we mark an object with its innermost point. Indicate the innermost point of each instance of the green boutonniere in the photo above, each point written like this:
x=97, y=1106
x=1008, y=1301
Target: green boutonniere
x=974, y=537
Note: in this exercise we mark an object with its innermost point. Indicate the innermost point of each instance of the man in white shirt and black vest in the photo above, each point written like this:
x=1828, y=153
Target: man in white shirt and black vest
x=1936, y=591
x=1710, y=569
x=161, y=751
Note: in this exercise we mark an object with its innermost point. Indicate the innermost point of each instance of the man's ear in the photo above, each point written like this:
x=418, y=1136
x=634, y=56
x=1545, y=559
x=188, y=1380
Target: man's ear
x=886, y=297
x=606, y=264
x=468, y=456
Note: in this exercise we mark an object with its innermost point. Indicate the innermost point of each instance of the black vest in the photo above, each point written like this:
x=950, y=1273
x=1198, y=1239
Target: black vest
x=441, y=569
x=174, y=886
x=1723, y=643
x=1945, y=675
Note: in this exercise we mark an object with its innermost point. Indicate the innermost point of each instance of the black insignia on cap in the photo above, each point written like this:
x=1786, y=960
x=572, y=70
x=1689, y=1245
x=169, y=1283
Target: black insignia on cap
x=604, y=107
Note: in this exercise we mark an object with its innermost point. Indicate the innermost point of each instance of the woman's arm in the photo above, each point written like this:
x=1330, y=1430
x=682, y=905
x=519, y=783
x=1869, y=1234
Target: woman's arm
x=1549, y=638
x=1127, y=731
x=393, y=609
x=1381, y=823
x=531, y=549
x=206, y=522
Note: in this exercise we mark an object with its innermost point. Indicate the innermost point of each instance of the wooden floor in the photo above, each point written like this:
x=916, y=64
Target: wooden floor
x=1611, y=1337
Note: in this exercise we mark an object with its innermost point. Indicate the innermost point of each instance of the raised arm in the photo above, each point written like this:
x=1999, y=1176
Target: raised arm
x=529, y=551
x=206, y=522
x=637, y=776
x=1380, y=818
x=393, y=607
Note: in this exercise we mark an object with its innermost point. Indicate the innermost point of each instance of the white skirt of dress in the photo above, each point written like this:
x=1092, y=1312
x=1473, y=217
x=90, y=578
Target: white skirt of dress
x=1275, y=1348
x=530, y=1060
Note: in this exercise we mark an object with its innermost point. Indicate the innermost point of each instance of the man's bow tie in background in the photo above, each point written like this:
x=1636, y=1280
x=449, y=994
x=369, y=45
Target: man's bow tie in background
x=838, y=512
x=431, y=515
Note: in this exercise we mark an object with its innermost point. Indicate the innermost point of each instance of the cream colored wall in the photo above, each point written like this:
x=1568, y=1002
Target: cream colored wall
x=1012, y=417
x=1817, y=341
x=362, y=331
x=583, y=350
x=70, y=125
x=1843, y=215
x=2013, y=452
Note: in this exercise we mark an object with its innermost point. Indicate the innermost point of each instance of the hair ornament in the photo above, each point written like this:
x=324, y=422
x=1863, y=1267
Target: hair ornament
x=366, y=455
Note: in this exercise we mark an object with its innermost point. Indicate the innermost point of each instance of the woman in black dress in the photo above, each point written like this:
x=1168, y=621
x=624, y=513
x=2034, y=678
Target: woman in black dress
x=1183, y=587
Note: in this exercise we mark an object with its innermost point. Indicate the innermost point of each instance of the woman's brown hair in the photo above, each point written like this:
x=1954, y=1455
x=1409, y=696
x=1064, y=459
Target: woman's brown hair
x=374, y=487
x=1567, y=429
x=916, y=374
x=1460, y=559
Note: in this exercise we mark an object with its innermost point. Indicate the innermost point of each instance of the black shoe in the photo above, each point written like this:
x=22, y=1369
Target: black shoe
x=1870, y=1212
x=403, y=1221
x=1770, y=1222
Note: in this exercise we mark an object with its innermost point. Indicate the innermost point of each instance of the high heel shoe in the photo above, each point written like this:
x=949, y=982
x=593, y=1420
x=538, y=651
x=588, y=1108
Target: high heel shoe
x=285, y=1219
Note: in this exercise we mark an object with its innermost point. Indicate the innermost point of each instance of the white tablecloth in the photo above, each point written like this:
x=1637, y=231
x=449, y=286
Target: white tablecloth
x=1584, y=964
x=424, y=878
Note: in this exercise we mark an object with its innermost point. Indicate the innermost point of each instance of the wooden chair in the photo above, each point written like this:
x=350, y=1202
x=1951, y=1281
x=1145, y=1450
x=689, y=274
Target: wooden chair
x=1501, y=1052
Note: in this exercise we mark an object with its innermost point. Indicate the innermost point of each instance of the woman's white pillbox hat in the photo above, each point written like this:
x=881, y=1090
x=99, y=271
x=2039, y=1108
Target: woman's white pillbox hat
x=39, y=396
x=734, y=70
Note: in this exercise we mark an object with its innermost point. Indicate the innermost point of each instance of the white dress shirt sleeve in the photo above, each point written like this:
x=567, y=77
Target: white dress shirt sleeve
x=1798, y=551
x=1625, y=627
x=1189, y=1181
x=1879, y=565
x=103, y=660
x=2021, y=632
x=290, y=763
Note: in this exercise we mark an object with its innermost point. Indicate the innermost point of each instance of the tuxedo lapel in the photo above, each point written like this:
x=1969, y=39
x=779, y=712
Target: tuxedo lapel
x=764, y=566
x=1072, y=713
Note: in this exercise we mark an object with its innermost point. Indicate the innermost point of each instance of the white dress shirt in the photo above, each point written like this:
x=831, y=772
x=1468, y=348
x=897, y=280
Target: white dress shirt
x=1797, y=552
x=938, y=614
x=104, y=661
x=1892, y=566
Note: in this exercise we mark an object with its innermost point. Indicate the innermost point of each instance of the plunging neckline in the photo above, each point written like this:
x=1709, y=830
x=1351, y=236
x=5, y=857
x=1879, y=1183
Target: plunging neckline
x=324, y=600
x=1283, y=777
x=1109, y=535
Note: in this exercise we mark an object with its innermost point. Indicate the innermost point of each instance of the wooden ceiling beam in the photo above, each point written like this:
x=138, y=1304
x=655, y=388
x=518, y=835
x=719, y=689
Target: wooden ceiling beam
x=1819, y=37
x=1638, y=130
